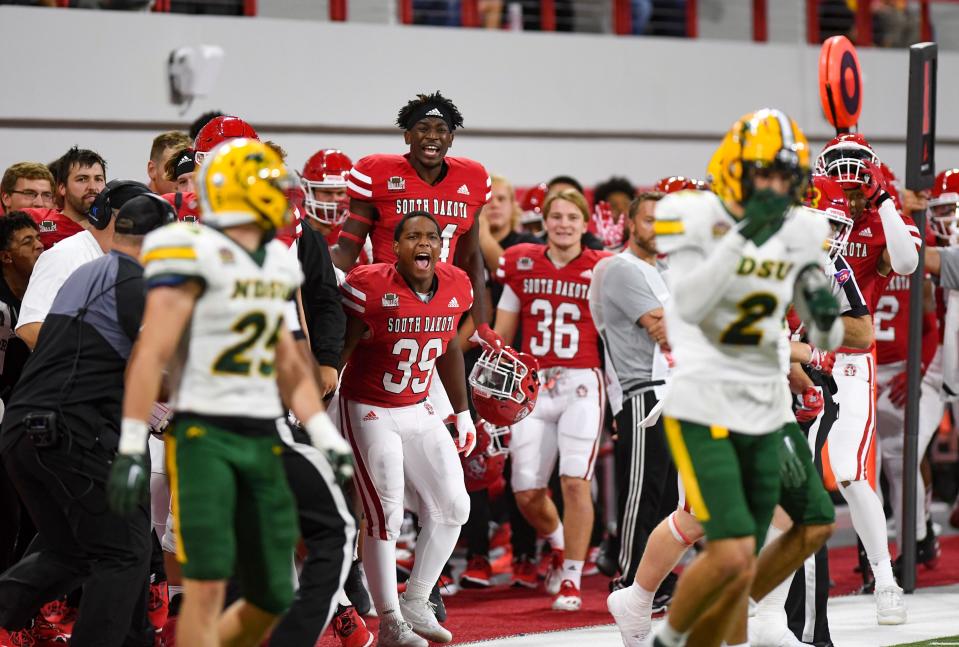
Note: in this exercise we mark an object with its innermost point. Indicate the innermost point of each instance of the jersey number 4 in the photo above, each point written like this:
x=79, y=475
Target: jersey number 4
x=417, y=359
x=751, y=309
x=557, y=329
x=253, y=327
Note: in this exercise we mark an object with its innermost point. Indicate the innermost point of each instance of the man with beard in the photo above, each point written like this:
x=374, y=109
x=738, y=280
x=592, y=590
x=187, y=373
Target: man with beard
x=56, y=264
x=80, y=174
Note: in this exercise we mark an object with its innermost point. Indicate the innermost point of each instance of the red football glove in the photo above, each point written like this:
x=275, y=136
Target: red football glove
x=823, y=361
x=608, y=228
x=489, y=337
x=876, y=188
x=810, y=404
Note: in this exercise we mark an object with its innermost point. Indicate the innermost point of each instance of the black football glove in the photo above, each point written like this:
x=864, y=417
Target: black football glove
x=128, y=484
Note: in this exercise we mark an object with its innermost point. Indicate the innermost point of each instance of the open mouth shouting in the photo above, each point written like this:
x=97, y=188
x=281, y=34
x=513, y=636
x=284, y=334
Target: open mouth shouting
x=423, y=260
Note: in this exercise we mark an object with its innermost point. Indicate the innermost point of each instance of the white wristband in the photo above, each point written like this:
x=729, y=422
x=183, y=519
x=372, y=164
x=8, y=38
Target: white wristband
x=133, y=436
x=321, y=430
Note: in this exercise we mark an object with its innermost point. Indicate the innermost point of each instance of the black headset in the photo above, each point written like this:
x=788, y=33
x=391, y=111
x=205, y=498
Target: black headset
x=102, y=210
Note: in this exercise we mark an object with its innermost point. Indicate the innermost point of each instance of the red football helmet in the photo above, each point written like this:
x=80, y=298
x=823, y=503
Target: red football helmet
x=505, y=385
x=675, y=183
x=943, y=203
x=826, y=196
x=186, y=205
x=533, y=202
x=219, y=130
x=842, y=159
x=327, y=169
x=484, y=467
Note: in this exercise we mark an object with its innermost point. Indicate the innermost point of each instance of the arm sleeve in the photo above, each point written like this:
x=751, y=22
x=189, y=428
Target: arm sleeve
x=624, y=287
x=851, y=301
x=325, y=319
x=699, y=281
x=48, y=276
x=902, y=239
x=509, y=301
x=948, y=272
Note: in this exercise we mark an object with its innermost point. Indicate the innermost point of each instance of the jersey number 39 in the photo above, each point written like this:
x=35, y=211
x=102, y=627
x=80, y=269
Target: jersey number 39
x=414, y=366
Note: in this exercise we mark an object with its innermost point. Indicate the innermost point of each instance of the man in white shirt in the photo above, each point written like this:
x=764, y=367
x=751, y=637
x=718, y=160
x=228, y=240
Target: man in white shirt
x=57, y=263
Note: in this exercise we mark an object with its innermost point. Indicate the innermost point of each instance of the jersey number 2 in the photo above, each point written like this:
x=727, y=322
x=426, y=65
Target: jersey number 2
x=234, y=360
x=423, y=358
x=751, y=309
x=886, y=310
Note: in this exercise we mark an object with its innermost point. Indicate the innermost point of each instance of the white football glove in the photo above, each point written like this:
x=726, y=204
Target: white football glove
x=465, y=432
x=326, y=437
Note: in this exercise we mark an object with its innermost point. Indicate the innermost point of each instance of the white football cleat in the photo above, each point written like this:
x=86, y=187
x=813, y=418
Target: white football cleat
x=890, y=605
x=633, y=623
x=420, y=614
x=771, y=633
x=395, y=632
x=554, y=574
x=568, y=598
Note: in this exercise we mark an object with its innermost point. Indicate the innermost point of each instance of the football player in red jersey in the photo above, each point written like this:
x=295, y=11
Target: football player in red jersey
x=882, y=242
x=382, y=188
x=401, y=320
x=547, y=293
x=892, y=334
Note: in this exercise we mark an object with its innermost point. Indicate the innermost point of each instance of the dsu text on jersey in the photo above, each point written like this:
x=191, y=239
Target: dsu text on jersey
x=769, y=269
x=259, y=289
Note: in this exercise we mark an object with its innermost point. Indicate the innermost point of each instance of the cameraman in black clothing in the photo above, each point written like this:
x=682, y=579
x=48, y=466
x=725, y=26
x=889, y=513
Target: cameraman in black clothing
x=59, y=436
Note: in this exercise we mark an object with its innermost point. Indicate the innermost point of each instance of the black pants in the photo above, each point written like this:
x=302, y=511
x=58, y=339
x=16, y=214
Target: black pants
x=522, y=534
x=809, y=591
x=327, y=527
x=476, y=529
x=79, y=543
x=645, y=477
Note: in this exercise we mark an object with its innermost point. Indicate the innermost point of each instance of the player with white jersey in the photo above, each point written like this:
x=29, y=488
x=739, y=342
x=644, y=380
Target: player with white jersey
x=546, y=293
x=215, y=318
x=738, y=257
x=401, y=320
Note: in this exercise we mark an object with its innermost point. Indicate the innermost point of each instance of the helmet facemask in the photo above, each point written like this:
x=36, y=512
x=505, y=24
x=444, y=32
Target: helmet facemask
x=498, y=374
x=329, y=213
x=844, y=163
x=942, y=217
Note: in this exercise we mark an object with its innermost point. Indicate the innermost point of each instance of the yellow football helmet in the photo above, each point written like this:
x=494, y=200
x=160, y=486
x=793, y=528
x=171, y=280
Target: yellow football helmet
x=245, y=181
x=765, y=139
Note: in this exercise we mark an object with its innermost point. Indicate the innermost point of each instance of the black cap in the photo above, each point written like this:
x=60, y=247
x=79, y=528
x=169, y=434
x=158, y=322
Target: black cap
x=142, y=214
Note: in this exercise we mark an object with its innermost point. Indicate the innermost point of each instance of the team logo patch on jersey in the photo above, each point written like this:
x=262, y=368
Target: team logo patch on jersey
x=370, y=417
x=47, y=226
x=396, y=183
x=524, y=263
x=391, y=300
x=849, y=370
x=582, y=391
x=453, y=303
x=463, y=190
x=720, y=229
x=842, y=276
x=866, y=233
x=429, y=408
x=226, y=256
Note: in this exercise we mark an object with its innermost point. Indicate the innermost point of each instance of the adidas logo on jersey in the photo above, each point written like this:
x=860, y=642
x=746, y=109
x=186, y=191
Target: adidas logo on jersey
x=370, y=417
x=586, y=274
x=453, y=303
x=435, y=112
x=866, y=233
x=463, y=190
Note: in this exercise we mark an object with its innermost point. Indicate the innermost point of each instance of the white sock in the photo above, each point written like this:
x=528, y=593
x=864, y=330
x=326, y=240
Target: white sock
x=772, y=608
x=342, y=599
x=573, y=571
x=434, y=546
x=555, y=538
x=745, y=644
x=173, y=589
x=379, y=560
x=870, y=524
x=669, y=637
x=640, y=597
